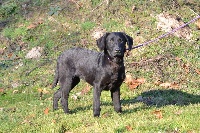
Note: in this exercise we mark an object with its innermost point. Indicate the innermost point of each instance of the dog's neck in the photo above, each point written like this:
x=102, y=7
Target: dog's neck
x=106, y=59
x=115, y=60
x=107, y=56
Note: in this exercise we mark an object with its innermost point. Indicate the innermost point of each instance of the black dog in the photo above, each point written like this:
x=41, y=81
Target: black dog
x=103, y=70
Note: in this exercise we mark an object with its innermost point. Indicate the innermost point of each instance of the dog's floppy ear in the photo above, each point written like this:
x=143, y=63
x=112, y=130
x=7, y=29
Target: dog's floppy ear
x=129, y=40
x=101, y=42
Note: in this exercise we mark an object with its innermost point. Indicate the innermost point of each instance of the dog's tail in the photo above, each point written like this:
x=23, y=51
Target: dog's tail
x=55, y=78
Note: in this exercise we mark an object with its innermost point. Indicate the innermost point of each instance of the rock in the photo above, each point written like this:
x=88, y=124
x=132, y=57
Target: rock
x=98, y=32
x=15, y=84
x=34, y=53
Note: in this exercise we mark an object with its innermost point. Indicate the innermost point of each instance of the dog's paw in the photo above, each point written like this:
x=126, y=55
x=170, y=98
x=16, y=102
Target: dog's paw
x=118, y=110
x=96, y=115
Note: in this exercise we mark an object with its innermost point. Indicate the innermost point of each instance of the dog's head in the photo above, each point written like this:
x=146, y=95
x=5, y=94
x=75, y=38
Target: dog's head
x=114, y=43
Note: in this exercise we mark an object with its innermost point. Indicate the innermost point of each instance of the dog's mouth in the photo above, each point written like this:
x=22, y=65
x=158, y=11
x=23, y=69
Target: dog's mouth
x=118, y=54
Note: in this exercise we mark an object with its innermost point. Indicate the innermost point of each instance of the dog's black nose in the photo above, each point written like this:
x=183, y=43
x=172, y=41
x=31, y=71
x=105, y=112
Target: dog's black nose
x=117, y=50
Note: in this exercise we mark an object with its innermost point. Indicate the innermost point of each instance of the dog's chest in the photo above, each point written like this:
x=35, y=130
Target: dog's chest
x=113, y=77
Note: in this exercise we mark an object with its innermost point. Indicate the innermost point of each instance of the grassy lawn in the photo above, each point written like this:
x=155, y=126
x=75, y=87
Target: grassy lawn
x=167, y=101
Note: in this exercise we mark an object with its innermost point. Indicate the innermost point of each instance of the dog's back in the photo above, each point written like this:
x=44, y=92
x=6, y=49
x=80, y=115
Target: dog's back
x=79, y=61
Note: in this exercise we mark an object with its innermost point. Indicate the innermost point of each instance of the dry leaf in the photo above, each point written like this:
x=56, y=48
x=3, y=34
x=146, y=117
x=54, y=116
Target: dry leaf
x=186, y=67
x=10, y=55
x=1, y=90
x=13, y=109
x=197, y=71
x=128, y=79
x=1, y=109
x=178, y=59
x=133, y=83
x=133, y=86
x=40, y=90
x=166, y=85
x=158, y=114
x=35, y=24
x=178, y=112
x=169, y=85
x=26, y=121
x=190, y=131
x=53, y=121
x=105, y=115
x=31, y=26
x=30, y=116
x=158, y=82
x=46, y=111
x=128, y=23
x=44, y=91
x=129, y=128
x=86, y=89
x=174, y=85
x=2, y=50
x=198, y=24
x=21, y=25
x=141, y=80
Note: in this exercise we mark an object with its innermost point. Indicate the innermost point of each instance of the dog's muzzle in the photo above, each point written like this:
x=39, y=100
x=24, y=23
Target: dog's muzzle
x=118, y=52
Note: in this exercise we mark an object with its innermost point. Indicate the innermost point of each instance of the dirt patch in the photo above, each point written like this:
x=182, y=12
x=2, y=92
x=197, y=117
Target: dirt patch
x=168, y=22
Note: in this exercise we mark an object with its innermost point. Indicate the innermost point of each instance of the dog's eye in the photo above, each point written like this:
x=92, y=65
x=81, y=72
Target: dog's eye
x=111, y=40
x=120, y=40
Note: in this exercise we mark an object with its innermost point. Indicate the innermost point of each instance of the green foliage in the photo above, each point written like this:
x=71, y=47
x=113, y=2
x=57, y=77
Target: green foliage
x=8, y=8
x=110, y=24
x=54, y=10
x=95, y=2
x=88, y=25
x=15, y=33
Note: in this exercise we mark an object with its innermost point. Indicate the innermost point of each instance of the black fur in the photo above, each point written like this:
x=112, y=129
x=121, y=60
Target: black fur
x=103, y=70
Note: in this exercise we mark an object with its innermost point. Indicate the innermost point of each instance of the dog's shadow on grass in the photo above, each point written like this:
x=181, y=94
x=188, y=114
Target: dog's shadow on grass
x=80, y=109
x=152, y=98
x=160, y=98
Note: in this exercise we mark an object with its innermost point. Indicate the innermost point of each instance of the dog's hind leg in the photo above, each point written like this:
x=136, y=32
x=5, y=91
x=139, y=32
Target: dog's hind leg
x=56, y=98
x=66, y=87
x=57, y=94
x=56, y=78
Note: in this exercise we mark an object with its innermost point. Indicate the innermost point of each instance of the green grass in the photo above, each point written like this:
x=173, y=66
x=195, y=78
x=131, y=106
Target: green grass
x=67, y=24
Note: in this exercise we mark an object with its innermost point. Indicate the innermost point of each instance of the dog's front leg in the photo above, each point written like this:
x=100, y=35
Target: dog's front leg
x=115, y=94
x=96, y=101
